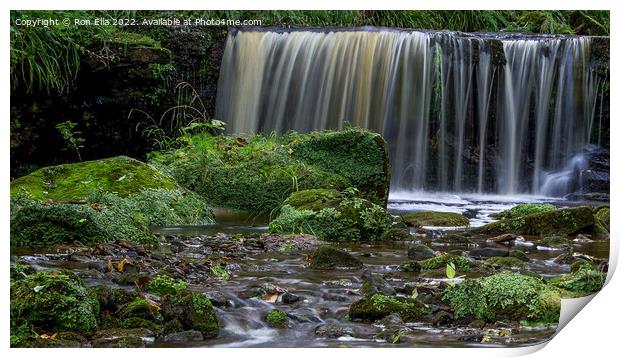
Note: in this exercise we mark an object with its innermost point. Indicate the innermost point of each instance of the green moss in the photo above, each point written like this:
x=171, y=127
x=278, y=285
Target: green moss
x=258, y=173
x=162, y=284
x=277, y=319
x=326, y=257
x=140, y=308
x=602, y=223
x=524, y=210
x=343, y=217
x=377, y=306
x=122, y=176
x=104, y=217
x=505, y=296
x=461, y=263
x=433, y=218
x=562, y=222
x=396, y=234
x=504, y=262
x=53, y=301
x=358, y=155
x=199, y=314
x=585, y=281
x=19, y=271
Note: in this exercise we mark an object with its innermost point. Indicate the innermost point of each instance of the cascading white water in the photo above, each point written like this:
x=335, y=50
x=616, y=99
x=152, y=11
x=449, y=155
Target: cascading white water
x=460, y=112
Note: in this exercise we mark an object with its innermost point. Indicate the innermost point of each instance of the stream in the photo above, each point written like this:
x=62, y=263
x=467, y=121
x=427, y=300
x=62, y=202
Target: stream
x=317, y=301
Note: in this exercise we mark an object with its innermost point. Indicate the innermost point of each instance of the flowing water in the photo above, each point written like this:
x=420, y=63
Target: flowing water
x=326, y=295
x=484, y=113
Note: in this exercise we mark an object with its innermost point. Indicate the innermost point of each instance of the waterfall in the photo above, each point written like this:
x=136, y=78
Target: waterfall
x=460, y=112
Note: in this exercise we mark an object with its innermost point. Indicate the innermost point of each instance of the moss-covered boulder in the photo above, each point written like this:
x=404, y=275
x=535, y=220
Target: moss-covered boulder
x=520, y=210
x=378, y=306
x=326, y=257
x=602, y=223
x=194, y=310
x=397, y=234
x=258, y=173
x=53, y=301
x=434, y=218
x=75, y=182
x=332, y=216
x=99, y=201
x=563, y=221
x=505, y=296
x=586, y=280
x=419, y=252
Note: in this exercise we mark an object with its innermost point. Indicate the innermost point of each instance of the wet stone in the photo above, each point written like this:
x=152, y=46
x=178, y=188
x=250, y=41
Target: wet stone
x=486, y=252
x=419, y=252
x=288, y=298
x=183, y=337
x=333, y=330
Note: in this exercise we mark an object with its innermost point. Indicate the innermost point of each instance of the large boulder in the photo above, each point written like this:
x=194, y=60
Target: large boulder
x=258, y=173
x=99, y=201
x=195, y=312
x=332, y=215
x=563, y=221
x=505, y=296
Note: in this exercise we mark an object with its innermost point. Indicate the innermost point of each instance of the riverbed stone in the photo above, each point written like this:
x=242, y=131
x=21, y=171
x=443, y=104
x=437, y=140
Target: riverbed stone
x=377, y=306
x=329, y=258
x=194, y=310
x=420, y=252
x=486, y=252
x=183, y=337
x=374, y=283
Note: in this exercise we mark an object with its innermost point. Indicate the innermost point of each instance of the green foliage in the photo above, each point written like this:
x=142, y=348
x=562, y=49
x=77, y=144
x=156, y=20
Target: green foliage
x=524, y=210
x=505, y=296
x=585, y=281
x=220, y=272
x=561, y=222
x=176, y=125
x=277, y=319
x=71, y=136
x=162, y=284
x=258, y=173
x=461, y=264
x=334, y=217
x=53, y=301
x=377, y=306
x=434, y=218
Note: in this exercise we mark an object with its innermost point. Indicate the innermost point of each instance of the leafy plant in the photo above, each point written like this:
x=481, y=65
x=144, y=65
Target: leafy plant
x=71, y=136
x=220, y=272
x=178, y=123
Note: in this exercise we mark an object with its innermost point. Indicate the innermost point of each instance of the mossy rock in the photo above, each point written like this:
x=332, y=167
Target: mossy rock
x=378, y=306
x=504, y=262
x=585, y=281
x=505, y=296
x=562, y=222
x=110, y=298
x=419, y=252
x=258, y=173
x=74, y=182
x=104, y=217
x=140, y=308
x=277, y=319
x=520, y=210
x=53, y=300
x=326, y=257
x=434, y=218
x=554, y=241
x=162, y=284
x=333, y=217
x=194, y=310
x=397, y=234
x=461, y=264
x=602, y=220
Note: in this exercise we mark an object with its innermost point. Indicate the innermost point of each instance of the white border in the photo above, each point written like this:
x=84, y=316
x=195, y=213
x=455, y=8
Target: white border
x=592, y=333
